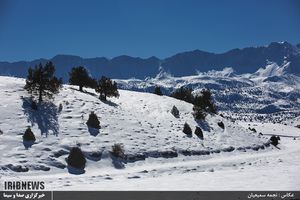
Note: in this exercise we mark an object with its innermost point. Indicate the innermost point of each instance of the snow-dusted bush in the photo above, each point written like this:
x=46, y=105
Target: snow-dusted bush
x=118, y=151
x=28, y=135
x=274, y=140
x=76, y=158
x=221, y=125
x=198, y=132
x=187, y=129
x=93, y=121
x=175, y=112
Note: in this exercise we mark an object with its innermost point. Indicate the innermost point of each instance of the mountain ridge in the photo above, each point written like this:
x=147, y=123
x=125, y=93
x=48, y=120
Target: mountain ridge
x=245, y=60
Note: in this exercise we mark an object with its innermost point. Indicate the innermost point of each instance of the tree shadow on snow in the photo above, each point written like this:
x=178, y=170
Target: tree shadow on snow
x=110, y=103
x=27, y=144
x=107, y=102
x=45, y=117
x=117, y=162
x=85, y=92
x=203, y=125
x=93, y=131
x=75, y=171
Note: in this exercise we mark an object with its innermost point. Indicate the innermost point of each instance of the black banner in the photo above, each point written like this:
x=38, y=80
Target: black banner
x=150, y=195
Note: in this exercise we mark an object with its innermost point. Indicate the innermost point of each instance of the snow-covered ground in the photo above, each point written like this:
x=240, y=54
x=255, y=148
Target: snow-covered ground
x=231, y=159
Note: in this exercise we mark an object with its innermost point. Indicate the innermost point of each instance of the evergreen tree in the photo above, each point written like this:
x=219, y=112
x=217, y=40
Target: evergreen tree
x=184, y=94
x=274, y=140
x=79, y=76
x=198, y=113
x=28, y=135
x=175, y=112
x=42, y=82
x=157, y=91
x=205, y=102
x=199, y=132
x=107, y=88
x=76, y=158
x=187, y=129
x=93, y=121
x=221, y=125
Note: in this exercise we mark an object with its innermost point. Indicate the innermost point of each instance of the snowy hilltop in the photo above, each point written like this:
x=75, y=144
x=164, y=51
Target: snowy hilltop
x=153, y=143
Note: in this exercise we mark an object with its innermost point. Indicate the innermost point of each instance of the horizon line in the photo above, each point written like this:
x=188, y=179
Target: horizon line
x=111, y=58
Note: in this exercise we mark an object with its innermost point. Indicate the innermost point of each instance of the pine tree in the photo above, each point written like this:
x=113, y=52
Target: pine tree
x=221, y=125
x=93, y=121
x=198, y=113
x=199, y=132
x=157, y=91
x=28, y=135
x=187, y=129
x=42, y=82
x=184, y=94
x=274, y=140
x=107, y=88
x=175, y=112
x=79, y=76
x=205, y=102
x=76, y=158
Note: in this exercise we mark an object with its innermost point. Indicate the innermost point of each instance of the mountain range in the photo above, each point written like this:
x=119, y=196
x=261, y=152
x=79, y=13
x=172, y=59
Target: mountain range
x=270, y=90
x=246, y=60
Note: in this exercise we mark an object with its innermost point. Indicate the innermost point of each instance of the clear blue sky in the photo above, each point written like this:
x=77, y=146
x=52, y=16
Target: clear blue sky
x=33, y=28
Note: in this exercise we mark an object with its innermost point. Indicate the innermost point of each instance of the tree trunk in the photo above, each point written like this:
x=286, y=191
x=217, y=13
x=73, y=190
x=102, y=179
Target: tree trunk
x=102, y=97
x=40, y=95
x=80, y=88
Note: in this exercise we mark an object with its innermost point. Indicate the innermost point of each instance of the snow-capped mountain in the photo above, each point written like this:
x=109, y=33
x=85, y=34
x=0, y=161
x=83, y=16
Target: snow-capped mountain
x=269, y=90
x=246, y=60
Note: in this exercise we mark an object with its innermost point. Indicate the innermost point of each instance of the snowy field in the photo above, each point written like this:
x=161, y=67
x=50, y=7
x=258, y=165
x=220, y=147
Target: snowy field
x=162, y=156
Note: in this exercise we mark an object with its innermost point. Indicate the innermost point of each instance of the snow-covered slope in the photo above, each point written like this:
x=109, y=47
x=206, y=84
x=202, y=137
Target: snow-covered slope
x=157, y=149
